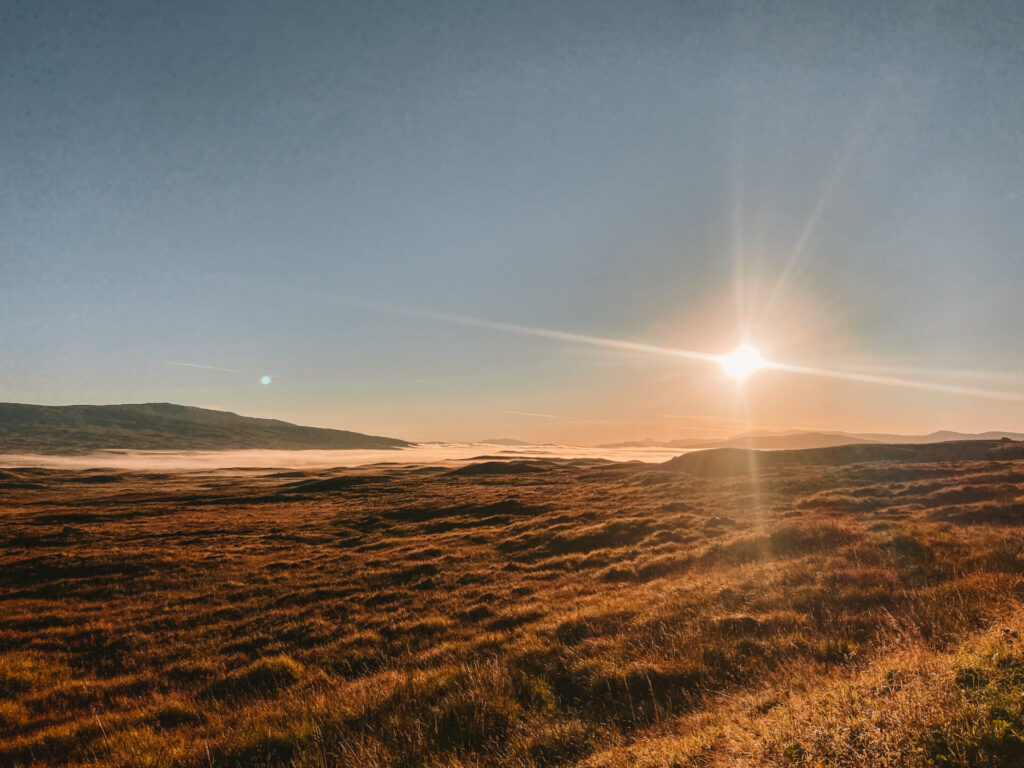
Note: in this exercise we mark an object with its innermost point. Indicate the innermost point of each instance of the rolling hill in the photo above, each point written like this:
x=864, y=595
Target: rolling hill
x=793, y=440
x=754, y=440
x=76, y=429
x=720, y=462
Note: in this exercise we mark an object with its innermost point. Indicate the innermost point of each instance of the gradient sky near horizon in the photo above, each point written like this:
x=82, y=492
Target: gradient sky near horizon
x=196, y=195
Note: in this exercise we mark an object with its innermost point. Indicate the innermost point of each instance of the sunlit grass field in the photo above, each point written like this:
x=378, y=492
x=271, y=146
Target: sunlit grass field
x=528, y=614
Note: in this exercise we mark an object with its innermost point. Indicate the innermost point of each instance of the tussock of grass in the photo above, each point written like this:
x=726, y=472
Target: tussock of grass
x=13, y=716
x=264, y=676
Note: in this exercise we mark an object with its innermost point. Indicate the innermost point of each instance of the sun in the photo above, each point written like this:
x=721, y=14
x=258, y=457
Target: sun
x=742, y=361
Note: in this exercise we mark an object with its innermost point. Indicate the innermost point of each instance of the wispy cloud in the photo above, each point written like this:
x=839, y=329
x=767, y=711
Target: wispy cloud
x=203, y=367
x=532, y=414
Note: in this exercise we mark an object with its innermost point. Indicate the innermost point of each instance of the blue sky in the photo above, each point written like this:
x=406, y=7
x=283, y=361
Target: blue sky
x=261, y=186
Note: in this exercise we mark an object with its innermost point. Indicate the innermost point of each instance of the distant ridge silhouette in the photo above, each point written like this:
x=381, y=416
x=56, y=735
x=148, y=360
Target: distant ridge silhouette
x=718, y=462
x=77, y=429
x=801, y=440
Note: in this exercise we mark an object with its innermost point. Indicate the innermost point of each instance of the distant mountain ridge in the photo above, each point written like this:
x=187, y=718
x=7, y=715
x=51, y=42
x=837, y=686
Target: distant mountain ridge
x=805, y=440
x=720, y=462
x=942, y=436
x=77, y=429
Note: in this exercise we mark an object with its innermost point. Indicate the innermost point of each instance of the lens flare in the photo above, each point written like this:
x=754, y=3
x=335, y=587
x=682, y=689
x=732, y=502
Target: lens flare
x=742, y=361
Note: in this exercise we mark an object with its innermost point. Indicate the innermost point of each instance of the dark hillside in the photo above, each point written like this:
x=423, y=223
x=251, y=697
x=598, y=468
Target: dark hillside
x=720, y=462
x=72, y=429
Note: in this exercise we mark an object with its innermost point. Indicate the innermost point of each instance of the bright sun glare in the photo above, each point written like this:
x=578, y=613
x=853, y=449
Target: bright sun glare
x=742, y=361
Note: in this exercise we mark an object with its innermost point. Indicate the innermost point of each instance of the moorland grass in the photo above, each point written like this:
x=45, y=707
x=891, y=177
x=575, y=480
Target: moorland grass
x=588, y=615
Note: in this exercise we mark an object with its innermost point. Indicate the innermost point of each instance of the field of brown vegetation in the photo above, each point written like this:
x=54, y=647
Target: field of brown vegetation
x=528, y=614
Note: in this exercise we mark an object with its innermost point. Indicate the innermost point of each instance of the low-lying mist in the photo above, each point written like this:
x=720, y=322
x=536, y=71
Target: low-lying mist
x=449, y=453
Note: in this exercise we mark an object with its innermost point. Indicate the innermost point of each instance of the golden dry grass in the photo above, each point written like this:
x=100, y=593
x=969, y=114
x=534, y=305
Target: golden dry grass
x=577, y=614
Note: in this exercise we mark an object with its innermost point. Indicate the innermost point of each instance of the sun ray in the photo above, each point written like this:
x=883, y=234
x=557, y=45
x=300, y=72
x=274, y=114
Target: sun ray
x=576, y=338
x=858, y=138
x=689, y=354
x=896, y=381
